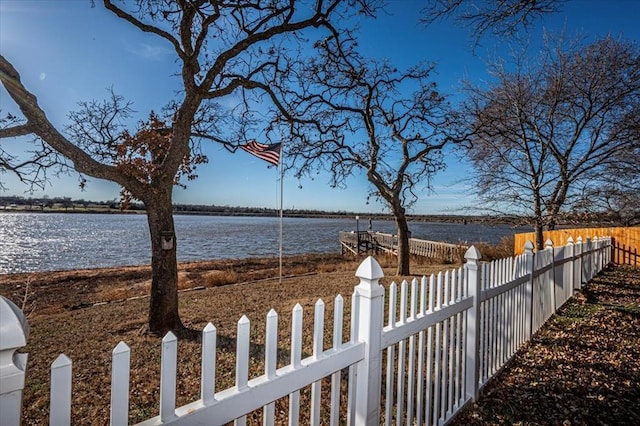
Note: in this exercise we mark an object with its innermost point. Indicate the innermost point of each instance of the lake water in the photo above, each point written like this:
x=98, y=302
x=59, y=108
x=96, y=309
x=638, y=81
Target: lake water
x=32, y=242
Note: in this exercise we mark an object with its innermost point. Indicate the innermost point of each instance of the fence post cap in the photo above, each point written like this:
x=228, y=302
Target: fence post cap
x=472, y=253
x=369, y=273
x=13, y=325
x=528, y=246
x=369, y=269
x=570, y=240
x=548, y=243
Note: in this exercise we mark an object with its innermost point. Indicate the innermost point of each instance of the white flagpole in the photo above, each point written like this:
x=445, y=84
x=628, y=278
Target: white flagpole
x=281, y=197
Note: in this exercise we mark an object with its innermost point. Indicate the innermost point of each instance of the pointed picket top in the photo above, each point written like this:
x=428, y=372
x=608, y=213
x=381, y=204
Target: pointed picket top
x=209, y=328
x=528, y=246
x=472, y=253
x=61, y=361
x=272, y=313
x=570, y=240
x=369, y=269
x=243, y=321
x=120, y=348
x=297, y=308
x=579, y=240
x=169, y=337
x=548, y=244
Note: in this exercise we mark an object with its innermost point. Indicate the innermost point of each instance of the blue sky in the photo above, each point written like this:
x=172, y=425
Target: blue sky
x=68, y=52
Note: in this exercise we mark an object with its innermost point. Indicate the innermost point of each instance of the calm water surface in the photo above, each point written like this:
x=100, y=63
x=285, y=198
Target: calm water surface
x=32, y=242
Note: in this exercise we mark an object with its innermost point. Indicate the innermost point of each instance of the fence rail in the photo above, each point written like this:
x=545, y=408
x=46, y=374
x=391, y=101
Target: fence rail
x=444, y=337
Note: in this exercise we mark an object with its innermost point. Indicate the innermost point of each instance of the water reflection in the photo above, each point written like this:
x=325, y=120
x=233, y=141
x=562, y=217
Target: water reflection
x=45, y=242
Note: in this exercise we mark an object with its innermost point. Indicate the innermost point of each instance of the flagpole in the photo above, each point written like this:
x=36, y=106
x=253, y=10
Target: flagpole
x=281, y=198
x=272, y=155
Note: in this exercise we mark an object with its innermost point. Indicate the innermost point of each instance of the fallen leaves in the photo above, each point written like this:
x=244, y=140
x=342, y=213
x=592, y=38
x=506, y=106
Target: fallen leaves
x=582, y=367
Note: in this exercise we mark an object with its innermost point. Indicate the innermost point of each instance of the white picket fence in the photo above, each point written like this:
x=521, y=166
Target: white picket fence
x=445, y=337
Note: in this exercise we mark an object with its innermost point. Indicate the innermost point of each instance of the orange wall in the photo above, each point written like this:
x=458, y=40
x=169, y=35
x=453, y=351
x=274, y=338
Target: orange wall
x=629, y=237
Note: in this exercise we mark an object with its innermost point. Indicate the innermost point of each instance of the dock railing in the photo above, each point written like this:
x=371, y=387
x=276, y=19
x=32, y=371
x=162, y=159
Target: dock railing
x=378, y=242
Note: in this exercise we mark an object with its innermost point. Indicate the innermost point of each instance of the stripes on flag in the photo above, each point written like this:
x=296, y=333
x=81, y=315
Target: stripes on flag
x=269, y=153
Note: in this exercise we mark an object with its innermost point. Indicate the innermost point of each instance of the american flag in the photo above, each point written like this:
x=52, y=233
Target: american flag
x=269, y=153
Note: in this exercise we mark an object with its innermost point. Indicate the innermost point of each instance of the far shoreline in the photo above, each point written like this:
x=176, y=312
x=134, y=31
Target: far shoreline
x=459, y=219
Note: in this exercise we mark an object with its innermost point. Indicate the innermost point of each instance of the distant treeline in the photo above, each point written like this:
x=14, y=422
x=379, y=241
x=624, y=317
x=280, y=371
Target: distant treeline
x=66, y=204
x=262, y=211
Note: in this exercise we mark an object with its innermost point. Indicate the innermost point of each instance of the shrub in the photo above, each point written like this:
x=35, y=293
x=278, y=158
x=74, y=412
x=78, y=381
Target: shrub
x=216, y=278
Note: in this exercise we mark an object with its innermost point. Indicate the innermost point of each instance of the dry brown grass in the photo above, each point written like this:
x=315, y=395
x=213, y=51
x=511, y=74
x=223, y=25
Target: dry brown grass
x=67, y=320
x=216, y=278
x=502, y=250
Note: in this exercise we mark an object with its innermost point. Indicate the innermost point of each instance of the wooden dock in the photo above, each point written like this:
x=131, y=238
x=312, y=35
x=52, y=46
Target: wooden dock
x=377, y=242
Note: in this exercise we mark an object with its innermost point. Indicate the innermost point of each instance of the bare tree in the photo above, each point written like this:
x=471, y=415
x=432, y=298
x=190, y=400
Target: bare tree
x=547, y=132
x=500, y=17
x=614, y=194
x=374, y=119
x=222, y=48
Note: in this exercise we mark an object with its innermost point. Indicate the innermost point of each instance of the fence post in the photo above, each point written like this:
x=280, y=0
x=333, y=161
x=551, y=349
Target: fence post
x=528, y=308
x=589, y=264
x=370, y=309
x=548, y=245
x=596, y=256
x=580, y=261
x=472, y=273
x=572, y=254
x=14, y=331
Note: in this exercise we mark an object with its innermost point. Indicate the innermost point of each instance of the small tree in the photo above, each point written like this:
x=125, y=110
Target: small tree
x=371, y=118
x=546, y=133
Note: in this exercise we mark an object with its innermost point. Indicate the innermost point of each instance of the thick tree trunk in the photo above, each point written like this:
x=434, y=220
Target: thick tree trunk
x=538, y=225
x=538, y=229
x=403, y=243
x=163, y=304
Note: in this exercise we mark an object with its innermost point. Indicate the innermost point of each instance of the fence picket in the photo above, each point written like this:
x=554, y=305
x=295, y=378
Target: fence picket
x=445, y=349
x=437, y=351
x=208, y=362
x=351, y=387
x=318, y=334
x=168, y=371
x=459, y=351
x=412, y=354
x=296, y=356
x=338, y=319
x=270, y=362
x=119, y=411
x=402, y=348
x=393, y=294
x=60, y=404
x=421, y=342
x=242, y=360
x=428, y=409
